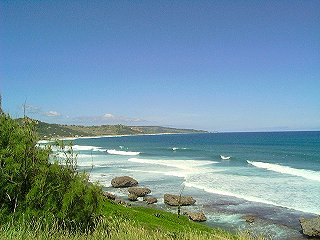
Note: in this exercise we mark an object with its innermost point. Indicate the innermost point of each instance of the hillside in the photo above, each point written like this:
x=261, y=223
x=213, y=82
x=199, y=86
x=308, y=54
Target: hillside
x=47, y=130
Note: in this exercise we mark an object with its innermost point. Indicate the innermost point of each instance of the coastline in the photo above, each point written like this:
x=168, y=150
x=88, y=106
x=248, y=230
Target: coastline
x=159, y=168
x=250, y=219
x=42, y=141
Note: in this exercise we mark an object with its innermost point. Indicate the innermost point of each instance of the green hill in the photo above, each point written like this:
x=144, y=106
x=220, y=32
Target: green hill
x=47, y=130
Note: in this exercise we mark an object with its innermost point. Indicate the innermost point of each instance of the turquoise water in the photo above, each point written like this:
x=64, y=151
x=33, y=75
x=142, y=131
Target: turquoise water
x=274, y=176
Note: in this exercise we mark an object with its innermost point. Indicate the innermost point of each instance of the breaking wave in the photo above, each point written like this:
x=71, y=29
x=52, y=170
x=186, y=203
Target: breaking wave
x=177, y=148
x=225, y=157
x=124, y=153
x=88, y=148
x=246, y=197
x=307, y=174
x=181, y=164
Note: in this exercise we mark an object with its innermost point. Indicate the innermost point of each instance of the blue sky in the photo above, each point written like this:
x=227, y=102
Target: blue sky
x=213, y=65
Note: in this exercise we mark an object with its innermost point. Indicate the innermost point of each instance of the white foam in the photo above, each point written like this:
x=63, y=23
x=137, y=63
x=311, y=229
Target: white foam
x=226, y=193
x=248, y=198
x=225, y=157
x=124, y=153
x=167, y=173
x=88, y=148
x=307, y=174
x=176, y=148
x=88, y=164
x=181, y=164
x=79, y=148
x=86, y=156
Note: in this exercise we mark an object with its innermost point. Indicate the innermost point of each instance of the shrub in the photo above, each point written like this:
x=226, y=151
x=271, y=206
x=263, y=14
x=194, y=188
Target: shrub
x=32, y=187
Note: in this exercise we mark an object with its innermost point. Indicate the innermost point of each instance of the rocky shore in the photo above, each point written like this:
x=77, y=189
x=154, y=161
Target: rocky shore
x=309, y=227
x=135, y=193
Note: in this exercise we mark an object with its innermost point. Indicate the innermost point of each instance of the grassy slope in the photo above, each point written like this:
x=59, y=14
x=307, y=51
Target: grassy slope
x=126, y=223
x=155, y=219
x=46, y=130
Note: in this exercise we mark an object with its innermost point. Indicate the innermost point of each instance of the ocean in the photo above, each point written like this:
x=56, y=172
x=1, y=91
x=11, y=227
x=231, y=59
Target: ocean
x=273, y=176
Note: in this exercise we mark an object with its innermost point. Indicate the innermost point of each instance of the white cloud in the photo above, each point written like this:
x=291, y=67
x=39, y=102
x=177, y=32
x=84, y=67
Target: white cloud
x=52, y=114
x=108, y=116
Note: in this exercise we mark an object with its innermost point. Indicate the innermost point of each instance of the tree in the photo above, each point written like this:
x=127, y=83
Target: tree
x=35, y=187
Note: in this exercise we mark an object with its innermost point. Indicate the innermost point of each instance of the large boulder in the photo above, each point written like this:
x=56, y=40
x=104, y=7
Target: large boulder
x=124, y=181
x=311, y=226
x=176, y=200
x=150, y=200
x=139, y=191
x=197, y=216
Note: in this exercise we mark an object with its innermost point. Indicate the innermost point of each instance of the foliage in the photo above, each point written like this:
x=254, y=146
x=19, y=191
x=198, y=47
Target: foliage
x=34, y=188
x=124, y=227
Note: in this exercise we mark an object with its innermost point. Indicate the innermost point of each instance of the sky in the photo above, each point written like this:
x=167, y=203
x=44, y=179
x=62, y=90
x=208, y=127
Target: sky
x=212, y=65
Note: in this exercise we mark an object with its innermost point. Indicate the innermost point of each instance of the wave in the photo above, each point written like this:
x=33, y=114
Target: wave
x=246, y=197
x=78, y=148
x=124, y=153
x=167, y=173
x=88, y=148
x=225, y=157
x=181, y=164
x=88, y=164
x=307, y=174
x=177, y=148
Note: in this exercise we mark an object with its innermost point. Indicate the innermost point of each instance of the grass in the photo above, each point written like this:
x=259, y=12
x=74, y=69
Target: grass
x=119, y=222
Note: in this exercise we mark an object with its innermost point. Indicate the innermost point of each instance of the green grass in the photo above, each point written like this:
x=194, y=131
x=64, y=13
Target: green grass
x=152, y=218
x=128, y=223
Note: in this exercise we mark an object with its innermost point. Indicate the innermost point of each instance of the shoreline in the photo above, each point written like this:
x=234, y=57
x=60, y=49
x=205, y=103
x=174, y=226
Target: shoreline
x=113, y=136
x=223, y=209
x=231, y=220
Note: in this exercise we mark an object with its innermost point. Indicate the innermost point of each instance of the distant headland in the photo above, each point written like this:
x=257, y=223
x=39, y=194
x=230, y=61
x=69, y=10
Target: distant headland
x=47, y=130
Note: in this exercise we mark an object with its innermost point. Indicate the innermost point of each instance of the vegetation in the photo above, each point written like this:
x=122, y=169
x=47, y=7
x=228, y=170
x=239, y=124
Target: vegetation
x=42, y=199
x=111, y=228
x=34, y=188
x=120, y=223
x=46, y=130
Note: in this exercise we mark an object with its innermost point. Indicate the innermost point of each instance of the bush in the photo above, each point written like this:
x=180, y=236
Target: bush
x=34, y=188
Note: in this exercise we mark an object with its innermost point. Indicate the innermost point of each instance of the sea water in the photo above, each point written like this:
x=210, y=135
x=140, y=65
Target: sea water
x=273, y=176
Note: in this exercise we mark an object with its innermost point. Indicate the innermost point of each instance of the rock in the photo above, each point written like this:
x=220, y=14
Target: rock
x=150, y=200
x=139, y=191
x=132, y=197
x=110, y=196
x=197, y=217
x=173, y=200
x=311, y=226
x=249, y=218
x=124, y=181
